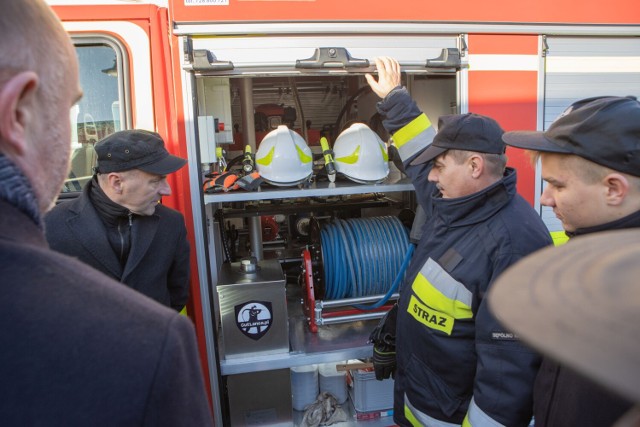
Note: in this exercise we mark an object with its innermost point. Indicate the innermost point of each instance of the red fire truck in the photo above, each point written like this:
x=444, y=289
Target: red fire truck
x=213, y=76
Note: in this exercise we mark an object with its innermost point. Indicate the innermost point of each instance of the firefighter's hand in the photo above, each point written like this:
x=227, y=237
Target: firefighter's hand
x=383, y=338
x=388, y=76
x=385, y=332
x=384, y=361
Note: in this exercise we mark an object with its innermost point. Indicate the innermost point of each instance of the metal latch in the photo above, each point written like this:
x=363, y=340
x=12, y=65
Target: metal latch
x=449, y=60
x=331, y=57
x=204, y=60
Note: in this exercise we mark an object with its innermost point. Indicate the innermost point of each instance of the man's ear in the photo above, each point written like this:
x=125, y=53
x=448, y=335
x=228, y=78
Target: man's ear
x=17, y=102
x=616, y=187
x=114, y=181
x=476, y=165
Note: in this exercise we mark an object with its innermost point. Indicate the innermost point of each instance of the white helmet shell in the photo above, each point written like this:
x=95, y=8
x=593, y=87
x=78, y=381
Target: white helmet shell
x=360, y=155
x=284, y=158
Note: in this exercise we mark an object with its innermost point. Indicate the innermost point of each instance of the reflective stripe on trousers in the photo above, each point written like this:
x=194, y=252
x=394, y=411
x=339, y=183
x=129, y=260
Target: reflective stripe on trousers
x=476, y=417
x=420, y=419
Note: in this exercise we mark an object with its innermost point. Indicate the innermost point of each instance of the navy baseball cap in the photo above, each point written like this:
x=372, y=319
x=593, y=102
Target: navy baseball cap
x=136, y=149
x=604, y=130
x=470, y=132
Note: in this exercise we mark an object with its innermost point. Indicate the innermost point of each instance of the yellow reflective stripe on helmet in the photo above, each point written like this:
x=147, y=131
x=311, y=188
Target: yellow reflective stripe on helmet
x=304, y=158
x=385, y=156
x=559, y=238
x=266, y=160
x=351, y=158
x=435, y=286
x=410, y=131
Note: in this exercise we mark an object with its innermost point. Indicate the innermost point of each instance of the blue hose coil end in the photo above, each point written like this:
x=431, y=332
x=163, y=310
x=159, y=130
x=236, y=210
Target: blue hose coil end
x=363, y=255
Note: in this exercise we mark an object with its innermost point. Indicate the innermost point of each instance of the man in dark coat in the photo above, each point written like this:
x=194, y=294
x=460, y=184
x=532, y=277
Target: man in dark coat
x=78, y=348
x=590, y=159
x=118, y=226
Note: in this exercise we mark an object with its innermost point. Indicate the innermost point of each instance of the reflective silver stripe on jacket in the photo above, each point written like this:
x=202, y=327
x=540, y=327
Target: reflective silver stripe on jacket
x=435, y=287
x=414, y=137
x=446, y=284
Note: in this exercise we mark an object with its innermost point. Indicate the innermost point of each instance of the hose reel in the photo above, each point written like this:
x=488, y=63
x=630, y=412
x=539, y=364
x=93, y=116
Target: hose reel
x=351, y=263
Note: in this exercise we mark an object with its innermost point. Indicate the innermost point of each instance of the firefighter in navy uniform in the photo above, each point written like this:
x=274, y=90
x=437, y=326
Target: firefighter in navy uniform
x=455, y=365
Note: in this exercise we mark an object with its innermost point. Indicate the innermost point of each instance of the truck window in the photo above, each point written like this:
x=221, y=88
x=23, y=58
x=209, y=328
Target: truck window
x=100, y=111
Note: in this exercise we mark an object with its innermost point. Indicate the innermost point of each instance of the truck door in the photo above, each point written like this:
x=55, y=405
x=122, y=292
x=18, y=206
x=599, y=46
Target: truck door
x=110, y=88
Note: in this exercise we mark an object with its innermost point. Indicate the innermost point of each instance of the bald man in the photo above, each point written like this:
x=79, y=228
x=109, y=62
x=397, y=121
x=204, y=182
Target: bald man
x=78, y=349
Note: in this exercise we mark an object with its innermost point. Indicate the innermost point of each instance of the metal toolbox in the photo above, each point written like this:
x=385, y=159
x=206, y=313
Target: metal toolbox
x=260, y=399
x=251, y=298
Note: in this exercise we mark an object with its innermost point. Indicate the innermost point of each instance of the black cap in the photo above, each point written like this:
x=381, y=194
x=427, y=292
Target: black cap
x=136, y=149
x=604, y=130
x=470, y=132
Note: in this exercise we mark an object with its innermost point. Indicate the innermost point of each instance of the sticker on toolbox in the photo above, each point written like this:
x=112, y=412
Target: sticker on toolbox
x=254, y=318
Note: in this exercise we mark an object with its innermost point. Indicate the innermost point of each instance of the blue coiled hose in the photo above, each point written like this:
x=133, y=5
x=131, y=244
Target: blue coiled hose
x=364, y=257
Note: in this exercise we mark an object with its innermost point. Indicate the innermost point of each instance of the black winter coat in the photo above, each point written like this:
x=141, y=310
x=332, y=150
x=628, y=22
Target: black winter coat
x=158, y=263
x=79, y=349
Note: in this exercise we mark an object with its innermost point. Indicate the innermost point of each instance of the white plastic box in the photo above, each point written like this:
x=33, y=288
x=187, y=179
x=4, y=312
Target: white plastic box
x=368, y=394
x=304, y=386
x=333, y=381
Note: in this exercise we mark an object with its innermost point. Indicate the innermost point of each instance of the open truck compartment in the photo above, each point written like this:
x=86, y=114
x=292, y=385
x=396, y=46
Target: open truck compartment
x=242, y=88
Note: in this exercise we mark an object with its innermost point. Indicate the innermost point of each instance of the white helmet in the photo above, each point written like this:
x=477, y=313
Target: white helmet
x=361, y=155
x=284, y=158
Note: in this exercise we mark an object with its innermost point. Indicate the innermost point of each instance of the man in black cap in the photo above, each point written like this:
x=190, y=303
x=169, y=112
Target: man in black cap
x=118, y=225
x=455, y=364
x=590, y=159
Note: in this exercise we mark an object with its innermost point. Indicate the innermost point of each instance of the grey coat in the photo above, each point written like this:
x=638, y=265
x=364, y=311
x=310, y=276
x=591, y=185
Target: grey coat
x=158, y=263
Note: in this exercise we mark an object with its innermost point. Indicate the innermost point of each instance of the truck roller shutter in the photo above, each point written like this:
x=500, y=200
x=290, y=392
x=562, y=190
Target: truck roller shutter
x=583, y=67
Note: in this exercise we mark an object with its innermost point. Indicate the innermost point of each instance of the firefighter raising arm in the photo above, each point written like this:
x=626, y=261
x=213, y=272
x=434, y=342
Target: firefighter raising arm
x=455, y=365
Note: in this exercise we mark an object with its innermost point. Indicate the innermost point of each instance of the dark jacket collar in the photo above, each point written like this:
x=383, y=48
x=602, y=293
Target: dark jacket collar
x=629, y=221
x=15, y=225
x=109, y=211
x=477, y=207
x=16, y=189
x=87, y=227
